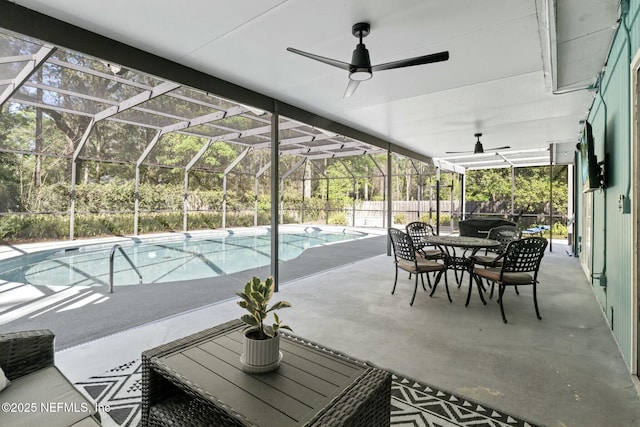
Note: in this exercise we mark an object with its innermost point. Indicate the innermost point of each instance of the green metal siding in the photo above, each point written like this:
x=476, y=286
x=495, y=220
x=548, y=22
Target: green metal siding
x=612, y=242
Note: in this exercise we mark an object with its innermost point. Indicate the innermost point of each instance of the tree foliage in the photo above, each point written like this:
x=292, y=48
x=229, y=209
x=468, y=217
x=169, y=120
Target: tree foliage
x=530, y=188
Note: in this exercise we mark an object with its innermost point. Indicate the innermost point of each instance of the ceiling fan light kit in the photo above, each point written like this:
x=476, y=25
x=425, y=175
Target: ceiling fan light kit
x=360, y=68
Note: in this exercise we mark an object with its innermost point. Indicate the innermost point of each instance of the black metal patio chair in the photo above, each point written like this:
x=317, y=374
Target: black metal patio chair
x=520, y=266
x=417, y=230
x=405, y=258
x=504, y=234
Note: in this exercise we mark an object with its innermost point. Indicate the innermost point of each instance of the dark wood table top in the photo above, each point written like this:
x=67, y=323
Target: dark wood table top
x=308, y=379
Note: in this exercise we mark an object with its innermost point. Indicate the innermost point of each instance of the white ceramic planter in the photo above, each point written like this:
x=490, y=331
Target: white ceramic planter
x=260, y=356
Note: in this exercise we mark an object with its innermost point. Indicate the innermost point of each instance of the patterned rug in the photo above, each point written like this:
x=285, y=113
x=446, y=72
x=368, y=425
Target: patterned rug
x=117, y=393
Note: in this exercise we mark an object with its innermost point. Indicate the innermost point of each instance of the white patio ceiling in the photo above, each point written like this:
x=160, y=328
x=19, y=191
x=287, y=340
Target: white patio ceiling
x=519, y=70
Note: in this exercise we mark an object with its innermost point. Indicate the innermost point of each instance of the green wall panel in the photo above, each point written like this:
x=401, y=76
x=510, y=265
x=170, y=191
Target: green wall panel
x=612, y=241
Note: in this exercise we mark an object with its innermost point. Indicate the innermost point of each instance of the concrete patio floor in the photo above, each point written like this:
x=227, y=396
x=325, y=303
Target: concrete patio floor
x=563, y=370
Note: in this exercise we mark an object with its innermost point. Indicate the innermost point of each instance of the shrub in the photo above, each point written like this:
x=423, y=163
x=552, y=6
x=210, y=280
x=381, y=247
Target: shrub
x=445, y=219
x=559, y=230
x=399, y=219
x=425, y=218
x=338, y=219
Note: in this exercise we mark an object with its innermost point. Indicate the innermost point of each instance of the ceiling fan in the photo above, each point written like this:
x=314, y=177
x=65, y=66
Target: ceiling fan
x=360, y=68
x=478, y=148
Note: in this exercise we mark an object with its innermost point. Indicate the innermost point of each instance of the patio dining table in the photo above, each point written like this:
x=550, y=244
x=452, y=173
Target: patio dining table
x=448, y=244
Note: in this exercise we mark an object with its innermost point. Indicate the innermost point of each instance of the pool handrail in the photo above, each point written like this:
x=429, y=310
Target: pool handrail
x=111, y=256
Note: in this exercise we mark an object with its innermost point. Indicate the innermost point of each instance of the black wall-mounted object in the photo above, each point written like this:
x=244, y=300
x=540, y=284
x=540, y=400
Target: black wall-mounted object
x=593, y=177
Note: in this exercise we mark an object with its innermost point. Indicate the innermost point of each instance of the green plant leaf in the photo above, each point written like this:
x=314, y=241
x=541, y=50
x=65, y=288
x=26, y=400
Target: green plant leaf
x=249, y=320
x=269, y=288
x=269, y=331
x=250, y=303
x=279, y=305
x=258, y=297
x=286, y=327
x=255, y=281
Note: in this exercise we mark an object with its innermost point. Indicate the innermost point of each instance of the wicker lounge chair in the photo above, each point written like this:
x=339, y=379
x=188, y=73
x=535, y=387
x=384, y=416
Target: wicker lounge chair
x=28, y=362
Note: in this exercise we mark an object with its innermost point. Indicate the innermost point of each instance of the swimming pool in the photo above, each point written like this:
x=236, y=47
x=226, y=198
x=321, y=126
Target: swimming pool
x=190, y=256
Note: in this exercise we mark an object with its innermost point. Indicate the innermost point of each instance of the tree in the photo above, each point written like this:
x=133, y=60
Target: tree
x=531, y=187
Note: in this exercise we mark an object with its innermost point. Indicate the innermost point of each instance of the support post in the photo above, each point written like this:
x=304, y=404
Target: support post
x=438, y=200
x=513, y=191
x=389, y=197
x=72, y=208
x=451, y=210
x=326, y=204
x=302, y=207
x=281, y=209
x=255, y=202
x=227, y=170
x=355, y=181
x=384, y=189
x=261, y=172
x=141, y=159
x=275, y=193
x=74, y=160
x=136, y=201
x=185, y=201
x=463, y=196
x=224, y=201
x=550, y=197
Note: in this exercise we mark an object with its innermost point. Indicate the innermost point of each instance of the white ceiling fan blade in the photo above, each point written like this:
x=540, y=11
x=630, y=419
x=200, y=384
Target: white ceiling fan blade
x=351, y=88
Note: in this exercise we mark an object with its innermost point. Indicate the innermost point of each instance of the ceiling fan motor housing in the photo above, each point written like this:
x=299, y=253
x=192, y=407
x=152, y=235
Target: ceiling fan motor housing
x=478, y=147
x=360, y=68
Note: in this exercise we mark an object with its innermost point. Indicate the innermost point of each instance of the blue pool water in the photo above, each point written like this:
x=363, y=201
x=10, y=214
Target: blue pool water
x=161, y=260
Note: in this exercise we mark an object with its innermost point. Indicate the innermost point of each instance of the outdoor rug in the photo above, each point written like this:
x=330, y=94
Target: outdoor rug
x=117, y=394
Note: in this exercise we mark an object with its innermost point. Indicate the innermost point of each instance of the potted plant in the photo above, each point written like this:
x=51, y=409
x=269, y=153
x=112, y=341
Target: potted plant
x=261, y=344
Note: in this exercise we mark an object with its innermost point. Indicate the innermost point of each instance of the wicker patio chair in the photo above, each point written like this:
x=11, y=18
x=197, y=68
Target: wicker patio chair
x=27, y=359
x=520, y=266
x=24, y=352
x=405, y=258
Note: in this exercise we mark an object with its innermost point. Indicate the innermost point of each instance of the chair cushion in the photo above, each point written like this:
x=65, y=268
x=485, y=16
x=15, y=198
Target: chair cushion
x=424, y=265
x=4, y=381
x=51, y=398
x=507, y=278
x=428, y=253
x=487, y=259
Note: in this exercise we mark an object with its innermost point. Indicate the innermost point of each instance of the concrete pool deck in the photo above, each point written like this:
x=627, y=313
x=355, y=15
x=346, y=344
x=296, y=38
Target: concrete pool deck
x=563, y=370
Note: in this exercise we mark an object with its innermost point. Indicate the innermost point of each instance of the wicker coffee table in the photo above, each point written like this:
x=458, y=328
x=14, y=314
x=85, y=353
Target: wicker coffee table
x=198, y=380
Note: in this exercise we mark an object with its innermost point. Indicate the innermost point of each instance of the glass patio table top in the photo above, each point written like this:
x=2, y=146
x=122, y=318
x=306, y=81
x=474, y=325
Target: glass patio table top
x=461, y=241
